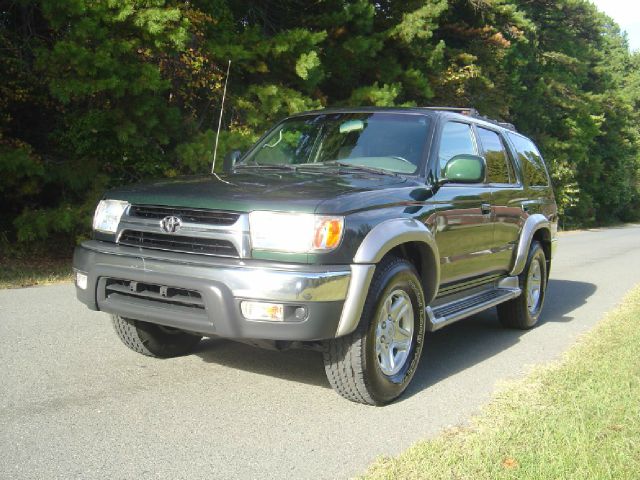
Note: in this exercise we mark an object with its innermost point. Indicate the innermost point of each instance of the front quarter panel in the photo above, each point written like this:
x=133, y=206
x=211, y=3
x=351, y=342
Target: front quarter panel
x=364, y=211
x=378, y=242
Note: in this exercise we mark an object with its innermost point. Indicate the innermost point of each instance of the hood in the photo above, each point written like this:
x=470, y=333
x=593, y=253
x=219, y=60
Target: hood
x=259, y=189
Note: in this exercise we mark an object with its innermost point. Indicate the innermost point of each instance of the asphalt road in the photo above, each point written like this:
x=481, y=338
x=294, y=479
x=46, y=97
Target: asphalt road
x=75, y=403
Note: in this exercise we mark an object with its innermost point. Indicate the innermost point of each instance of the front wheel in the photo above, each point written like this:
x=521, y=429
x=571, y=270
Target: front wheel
x=375, y=364
x=523, y=311
x=154, y=340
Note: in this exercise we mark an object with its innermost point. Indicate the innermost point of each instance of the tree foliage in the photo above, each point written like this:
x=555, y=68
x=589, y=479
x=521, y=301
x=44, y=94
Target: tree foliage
x=100, y=93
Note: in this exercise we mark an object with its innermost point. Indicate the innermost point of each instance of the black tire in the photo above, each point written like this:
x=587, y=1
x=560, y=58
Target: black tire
x=518, y=313
x=352, y=363
x=154, y=340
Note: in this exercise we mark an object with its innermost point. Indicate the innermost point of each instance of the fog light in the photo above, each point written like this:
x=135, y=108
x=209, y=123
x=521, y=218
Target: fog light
x=81, y=280
x=301, y=313
x=263, y=311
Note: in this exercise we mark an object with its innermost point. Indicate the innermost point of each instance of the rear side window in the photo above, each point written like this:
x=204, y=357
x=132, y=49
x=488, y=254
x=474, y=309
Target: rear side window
x=531, y=161
x=456, y=139
x=499, y=168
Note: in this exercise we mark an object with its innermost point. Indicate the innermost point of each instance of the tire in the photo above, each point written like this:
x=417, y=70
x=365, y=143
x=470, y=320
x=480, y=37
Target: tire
x=359, y=365
x=154, y=340
x=523, y=311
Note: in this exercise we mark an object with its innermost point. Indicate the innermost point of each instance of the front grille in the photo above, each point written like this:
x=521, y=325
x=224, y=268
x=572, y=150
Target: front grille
x=189, y=215
x=147, y=292
x=178, y=243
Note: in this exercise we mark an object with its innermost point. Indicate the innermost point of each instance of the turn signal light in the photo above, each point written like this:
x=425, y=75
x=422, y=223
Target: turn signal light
x=262, y=311
x=328, y=233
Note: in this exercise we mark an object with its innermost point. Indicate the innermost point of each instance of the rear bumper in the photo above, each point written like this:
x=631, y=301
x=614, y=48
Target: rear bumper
x=219, y=286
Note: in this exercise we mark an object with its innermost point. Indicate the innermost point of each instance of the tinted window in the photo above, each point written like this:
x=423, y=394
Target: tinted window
x=456, y=140
x=389, y=141
x=499, y=168
x=531, y=161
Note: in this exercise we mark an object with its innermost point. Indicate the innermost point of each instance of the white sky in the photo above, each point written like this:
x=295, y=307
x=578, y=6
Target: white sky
x=627, y=14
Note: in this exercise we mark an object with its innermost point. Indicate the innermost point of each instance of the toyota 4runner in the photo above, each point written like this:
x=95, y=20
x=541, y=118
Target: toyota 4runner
x=351, y=231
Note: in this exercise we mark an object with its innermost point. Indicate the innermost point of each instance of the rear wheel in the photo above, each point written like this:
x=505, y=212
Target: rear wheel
x=375, y=363
x=154, y=340
x=523, y=312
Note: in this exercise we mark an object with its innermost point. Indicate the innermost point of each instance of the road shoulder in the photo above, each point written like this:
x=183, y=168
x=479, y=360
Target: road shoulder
x=576, y=418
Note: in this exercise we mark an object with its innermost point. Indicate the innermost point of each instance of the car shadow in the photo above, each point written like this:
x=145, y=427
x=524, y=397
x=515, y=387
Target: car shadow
x=477, y=338
x=295, y=365
x=446, y=352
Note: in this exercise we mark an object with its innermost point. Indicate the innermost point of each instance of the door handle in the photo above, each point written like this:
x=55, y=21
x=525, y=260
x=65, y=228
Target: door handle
x=485, y=208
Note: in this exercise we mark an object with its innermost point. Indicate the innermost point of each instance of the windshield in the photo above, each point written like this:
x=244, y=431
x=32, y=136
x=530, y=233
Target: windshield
x=388, y=141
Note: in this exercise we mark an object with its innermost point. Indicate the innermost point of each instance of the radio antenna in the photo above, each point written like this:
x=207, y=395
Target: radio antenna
x=224, y=94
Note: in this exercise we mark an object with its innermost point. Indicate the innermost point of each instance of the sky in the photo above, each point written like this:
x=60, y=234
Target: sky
x=626, y=13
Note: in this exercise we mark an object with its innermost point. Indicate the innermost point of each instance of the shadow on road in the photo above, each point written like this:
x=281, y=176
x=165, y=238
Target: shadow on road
x=470, y=341
x=563, y=297
x=447, y=351
x=294, y=365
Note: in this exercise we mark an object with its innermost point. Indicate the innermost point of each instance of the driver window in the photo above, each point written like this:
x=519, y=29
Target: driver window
x=456, y=139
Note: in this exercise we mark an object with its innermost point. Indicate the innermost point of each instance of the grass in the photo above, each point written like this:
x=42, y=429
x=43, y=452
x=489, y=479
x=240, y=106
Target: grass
x=16, y=272
x=576, y=419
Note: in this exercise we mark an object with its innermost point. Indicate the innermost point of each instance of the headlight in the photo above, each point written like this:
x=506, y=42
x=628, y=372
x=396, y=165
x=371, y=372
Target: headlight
x=108, y=215
x=295, y=232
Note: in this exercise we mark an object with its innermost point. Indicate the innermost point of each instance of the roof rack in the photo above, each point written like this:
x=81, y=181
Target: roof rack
x=472, y=112
x=508, y=126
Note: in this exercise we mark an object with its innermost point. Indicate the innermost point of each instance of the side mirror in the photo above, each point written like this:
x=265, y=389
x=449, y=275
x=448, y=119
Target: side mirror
x=230, y=160
x=464, y=169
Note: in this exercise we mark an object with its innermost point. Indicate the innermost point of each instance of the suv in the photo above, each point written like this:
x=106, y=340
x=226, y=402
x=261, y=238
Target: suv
x=351, y=231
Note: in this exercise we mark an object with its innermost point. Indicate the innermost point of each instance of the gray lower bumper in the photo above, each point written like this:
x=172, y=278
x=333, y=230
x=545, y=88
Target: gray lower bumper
x=222, y=285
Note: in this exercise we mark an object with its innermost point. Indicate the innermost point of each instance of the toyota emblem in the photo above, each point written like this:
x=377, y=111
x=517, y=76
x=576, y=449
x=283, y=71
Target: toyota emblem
x=170, y=224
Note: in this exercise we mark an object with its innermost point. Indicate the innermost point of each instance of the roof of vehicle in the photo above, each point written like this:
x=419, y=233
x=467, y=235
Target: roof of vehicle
x=465, y=112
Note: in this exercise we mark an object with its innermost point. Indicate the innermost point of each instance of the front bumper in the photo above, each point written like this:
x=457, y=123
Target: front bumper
x=328, y=294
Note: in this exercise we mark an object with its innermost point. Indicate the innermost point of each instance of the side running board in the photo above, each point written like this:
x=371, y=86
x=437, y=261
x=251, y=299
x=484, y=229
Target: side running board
x=443, y=315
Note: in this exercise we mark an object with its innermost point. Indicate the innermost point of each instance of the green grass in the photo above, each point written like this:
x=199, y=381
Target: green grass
x=576, y=419
x=25, y=272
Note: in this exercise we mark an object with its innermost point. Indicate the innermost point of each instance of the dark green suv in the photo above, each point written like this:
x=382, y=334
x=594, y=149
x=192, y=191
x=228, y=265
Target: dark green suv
x=352, y=231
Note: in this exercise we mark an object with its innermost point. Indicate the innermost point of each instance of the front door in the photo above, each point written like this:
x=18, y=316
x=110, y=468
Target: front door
x=463, y=223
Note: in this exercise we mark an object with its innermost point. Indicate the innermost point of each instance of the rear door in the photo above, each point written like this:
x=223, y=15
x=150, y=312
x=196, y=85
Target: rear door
x=507, y=196
x=463, y=226
x=539, y=194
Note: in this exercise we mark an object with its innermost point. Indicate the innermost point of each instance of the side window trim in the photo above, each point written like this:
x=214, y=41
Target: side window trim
x=479, y=150
x=514, y=158
x=513, y=171
x=511, y=164
x=474, y=140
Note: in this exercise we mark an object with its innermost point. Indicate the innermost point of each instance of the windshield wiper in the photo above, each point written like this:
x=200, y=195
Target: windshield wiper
x=317, y=166
x=362, y=168
x=277, y=166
